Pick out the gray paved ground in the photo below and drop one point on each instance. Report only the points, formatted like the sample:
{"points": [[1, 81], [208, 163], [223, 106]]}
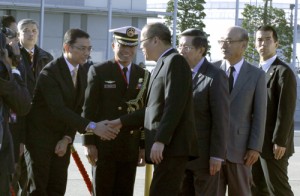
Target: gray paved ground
{"points": [[77, 187]]}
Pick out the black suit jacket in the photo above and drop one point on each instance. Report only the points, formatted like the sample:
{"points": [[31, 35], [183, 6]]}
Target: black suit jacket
{"points": [[211, 106], [13, 95], [281, 104], [105, 99], [56, 105], [169, 116]]}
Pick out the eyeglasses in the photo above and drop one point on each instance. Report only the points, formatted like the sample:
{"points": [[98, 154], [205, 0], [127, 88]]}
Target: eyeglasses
{"points": [[145, 39], [185, 48], [82, 48], [228, 42]]}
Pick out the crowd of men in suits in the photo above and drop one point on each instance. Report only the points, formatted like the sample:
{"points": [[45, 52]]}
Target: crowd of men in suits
{"points": [[208, 128]]}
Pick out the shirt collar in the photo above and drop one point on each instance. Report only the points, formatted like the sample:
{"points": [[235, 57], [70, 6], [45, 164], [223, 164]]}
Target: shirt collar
{"points": [[70, 66], [237, 66], [267, 64], [164, 53], [197, 67], [128, 67]]}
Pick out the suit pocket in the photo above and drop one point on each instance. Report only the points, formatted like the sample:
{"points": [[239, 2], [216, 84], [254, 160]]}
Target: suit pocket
{"points": [[243, 131]]}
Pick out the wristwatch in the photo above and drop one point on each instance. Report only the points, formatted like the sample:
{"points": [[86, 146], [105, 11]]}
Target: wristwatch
{"points": [[91, 127]]}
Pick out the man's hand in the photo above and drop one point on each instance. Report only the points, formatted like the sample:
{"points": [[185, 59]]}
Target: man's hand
{"points": [[91, 153], [214, 166], [61, 147], [156, 154], [251, 157], [105, 131], [116, 124], [141, 160], [278, 151]]}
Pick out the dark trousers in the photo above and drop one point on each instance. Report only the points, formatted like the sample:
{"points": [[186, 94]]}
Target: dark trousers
{"points": [[237, 177], [48, 171], [5, 179], [275, 173], [200, 183], [114, 178], [168, 176], [259, 186]]}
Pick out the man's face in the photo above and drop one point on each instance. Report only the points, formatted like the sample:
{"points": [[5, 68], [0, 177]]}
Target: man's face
{"points": [[147, 45], [124, 54], [28, 35], [191, 54], [232, 47], [265, 44], [78, 52]]}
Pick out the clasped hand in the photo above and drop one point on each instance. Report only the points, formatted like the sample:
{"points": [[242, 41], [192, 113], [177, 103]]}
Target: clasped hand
{"points": [[108, 130]]}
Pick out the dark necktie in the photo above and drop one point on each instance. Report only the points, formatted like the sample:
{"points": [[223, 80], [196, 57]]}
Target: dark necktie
{"points": [[231, 79], [125, 69]]}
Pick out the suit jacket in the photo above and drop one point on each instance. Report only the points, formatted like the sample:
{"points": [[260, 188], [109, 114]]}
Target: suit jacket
{"points": [[56, 105], [13, 95], [211, 106], [106, 97], [282, 95], [247, 112], [169, 116]]}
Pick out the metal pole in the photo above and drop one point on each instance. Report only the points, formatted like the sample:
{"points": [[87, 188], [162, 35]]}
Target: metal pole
{"points": [[237, 12], [295, 35], [41, 30], [109, 15], [174, 23]]}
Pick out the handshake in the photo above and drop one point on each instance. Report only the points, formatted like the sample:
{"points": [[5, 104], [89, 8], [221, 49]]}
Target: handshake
{"points": [[108, 130]]}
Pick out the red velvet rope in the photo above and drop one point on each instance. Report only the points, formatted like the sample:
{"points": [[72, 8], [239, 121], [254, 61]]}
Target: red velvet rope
{"points": [[12, 191], [81, 169]]}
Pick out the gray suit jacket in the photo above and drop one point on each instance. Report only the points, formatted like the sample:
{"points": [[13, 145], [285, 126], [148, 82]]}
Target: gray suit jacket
{"points": [[211, 108], [248, 103]]}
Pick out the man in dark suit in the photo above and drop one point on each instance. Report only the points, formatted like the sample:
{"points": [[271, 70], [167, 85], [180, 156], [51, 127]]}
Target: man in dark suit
{"points": [[108, 92], [55, 116], [247, 89], [270, 174], [170, 136], [211, 108], [13, 95]]}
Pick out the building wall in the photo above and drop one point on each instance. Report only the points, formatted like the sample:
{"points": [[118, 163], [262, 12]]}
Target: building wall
{"points": [[88, 15]]}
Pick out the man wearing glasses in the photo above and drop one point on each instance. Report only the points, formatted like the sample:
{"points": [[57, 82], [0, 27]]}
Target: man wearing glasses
{"points": [[211, 108], [110, 85], [247, 87], [55, 116]]}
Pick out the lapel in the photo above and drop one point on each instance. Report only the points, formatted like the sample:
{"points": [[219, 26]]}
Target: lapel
{"points": [[156, 70], [270, 73], [133, 77], [66, 76], [199, 77], [29, 73], [242, 78], [116, 75]]}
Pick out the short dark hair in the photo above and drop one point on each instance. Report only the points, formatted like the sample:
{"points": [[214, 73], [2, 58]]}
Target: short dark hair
{"points": [[71, 35], [159, 30], [6, 20], [199, 38], [269, 28]]}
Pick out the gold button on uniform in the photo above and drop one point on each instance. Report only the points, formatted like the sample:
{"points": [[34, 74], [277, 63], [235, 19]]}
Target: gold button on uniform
{"points": [[131, 132], [119, 108]]}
